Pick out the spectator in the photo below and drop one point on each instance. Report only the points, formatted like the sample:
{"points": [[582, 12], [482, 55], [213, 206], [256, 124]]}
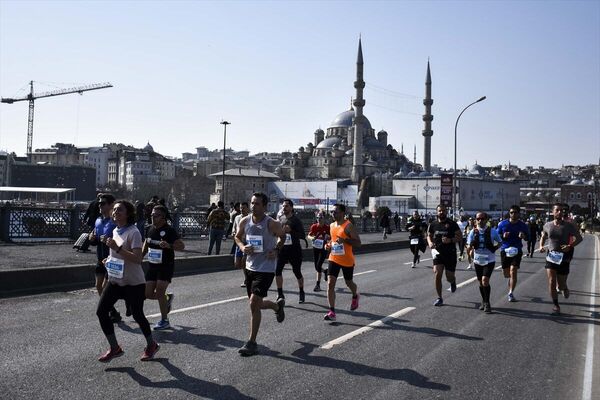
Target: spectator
{"points": [[216, 224]]}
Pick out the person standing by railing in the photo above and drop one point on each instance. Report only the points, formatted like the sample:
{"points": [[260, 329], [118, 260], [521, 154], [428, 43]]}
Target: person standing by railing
{"points": [[216, 224]]}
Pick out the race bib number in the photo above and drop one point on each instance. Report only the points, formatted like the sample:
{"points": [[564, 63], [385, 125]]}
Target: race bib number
{"points": [[555, 257], [256, 241], [155, 256], [318, 243], [511, 251], [481, 259], [337, 249], [115, 267], [434, 253], [414, 241], [288, 240]]}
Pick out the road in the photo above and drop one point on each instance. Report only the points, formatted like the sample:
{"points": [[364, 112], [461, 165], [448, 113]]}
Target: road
{"points": [[50, 342]]}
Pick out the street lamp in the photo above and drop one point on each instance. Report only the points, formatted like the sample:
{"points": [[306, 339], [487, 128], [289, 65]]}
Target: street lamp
{"points": [[454, 172], [426, 188], [224, 123], [417, 198]]}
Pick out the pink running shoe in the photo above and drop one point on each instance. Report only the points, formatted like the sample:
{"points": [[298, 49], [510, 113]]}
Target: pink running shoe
{"points": [[330, 316], [354, 304]]}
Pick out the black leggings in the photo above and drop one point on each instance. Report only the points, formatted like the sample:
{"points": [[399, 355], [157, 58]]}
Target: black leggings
{"points": [[319, 255], [414, 248], [133, 295], [530, 246]]}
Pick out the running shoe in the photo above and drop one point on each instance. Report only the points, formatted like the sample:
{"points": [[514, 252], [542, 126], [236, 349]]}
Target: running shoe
{"points": [[150, 351], [461, 257], [566, 293], [556, 309], [330, 316], [317, 288], [248, 349], [511, 298], [301, 297], [413, 265], [162, 324], [354, 304], [439, 302], [115, 317], [482, 307], [170, 297], [243, 284], [470, 266], [110, 354], [453, 286], [280, 313], [487, 308]]}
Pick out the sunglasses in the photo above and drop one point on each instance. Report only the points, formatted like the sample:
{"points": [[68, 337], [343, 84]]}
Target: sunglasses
{"points": [[513, 212], [481, 219]]}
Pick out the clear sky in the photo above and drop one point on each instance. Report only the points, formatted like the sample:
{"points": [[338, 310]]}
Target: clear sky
{"points": [[278, 70]]}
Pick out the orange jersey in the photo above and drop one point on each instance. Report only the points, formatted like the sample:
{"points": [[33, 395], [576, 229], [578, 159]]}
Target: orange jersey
{"points": [[340, 253]]}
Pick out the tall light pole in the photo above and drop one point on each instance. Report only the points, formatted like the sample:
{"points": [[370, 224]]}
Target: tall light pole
{"points": [[417, 198], [224, 123], [454, 173]]}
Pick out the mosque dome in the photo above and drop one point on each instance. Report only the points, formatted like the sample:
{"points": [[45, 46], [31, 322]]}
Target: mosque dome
{"points": [[330, 142], [148, 147], [344, 120], [477, 169], [412, 174], [576, 182]]}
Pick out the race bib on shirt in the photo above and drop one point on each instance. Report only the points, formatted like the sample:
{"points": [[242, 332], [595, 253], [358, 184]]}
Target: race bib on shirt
{"points": [[256, 241], [414, 241], [337, 249], [318, 243], [155, 256], [481, 259], [288, 240], [115, 267], [555, 257], [511, 251], [434, 253]]}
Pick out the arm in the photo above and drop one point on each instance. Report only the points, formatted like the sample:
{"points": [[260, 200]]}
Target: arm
{"points": [[239, 236], [430, 242], [543, 241], [353, 239]]}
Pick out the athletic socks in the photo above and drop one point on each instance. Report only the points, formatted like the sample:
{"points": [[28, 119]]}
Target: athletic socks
{"points": [[280, 292]]}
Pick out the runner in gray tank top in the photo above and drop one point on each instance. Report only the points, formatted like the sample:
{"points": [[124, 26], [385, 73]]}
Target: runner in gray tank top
{"points": [[259, 237]]}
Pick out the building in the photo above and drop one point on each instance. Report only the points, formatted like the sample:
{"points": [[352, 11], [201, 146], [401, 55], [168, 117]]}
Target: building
{"points": [[240, 184], [80, 177]]}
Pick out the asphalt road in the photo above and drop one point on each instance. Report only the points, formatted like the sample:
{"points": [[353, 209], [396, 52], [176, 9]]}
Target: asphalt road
{"points": [[50, 342]]}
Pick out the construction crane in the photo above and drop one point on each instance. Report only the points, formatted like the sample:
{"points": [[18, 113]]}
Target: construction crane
{"points": [[31, 97]]}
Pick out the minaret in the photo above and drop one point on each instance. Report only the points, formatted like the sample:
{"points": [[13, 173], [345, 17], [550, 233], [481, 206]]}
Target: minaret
{"points": [[427, 118], [359, 103], [415, 155]]}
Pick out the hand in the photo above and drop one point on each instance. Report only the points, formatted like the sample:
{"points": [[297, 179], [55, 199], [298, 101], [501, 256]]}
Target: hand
{"points": [[521, 235], [565, 248], [446, 240], [248, 249], [111, 244], [542, 249], [340, 240], [164, 245], [506, 235]]}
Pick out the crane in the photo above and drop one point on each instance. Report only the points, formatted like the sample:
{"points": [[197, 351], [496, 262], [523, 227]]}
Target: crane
{"points": [[31, 97]]}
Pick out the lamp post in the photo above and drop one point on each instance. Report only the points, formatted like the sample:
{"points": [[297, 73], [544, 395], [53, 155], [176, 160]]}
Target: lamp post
{"points": [[426, 188], [417, 198], [224, 123], [454, 172]]}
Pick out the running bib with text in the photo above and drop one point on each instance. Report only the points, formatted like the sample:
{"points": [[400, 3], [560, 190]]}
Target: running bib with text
{"points": [[155, 256], [555, 257], [318, 243], [511, 251], [481, 259], [414, 241], [288, 239], [114, 267], [434, 253], [256, 241], [337, 249]]}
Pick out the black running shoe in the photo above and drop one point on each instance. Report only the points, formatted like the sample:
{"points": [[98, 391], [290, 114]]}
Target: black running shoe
{"points": [[301, 297], [280, 312], [248, 349]]}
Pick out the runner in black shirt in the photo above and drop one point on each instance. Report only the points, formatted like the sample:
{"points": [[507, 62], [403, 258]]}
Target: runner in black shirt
{"points": [[416, 229]]}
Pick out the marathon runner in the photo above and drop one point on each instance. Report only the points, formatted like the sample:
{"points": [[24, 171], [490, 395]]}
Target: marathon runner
{"points": [[442, 236], [563, 236], [416, 231], [512, 231], [534, 232], [161, 243], [319, 235], [239, 258], [259, 236], [463, 222], [470, 226], [344, 238], [482, 242]]}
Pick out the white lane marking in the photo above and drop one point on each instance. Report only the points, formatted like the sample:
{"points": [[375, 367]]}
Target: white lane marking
{"points": [[364, 329], [422, 259], [588, 373], [214, 303], [473, 279], [366, 272]]}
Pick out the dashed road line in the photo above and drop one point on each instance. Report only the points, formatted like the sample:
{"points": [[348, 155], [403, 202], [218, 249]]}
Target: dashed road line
{"points": [[214, 303], [365, 272]]}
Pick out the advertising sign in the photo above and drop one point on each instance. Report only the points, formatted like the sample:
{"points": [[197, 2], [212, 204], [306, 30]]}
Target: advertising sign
{"points": [[446, 190]]}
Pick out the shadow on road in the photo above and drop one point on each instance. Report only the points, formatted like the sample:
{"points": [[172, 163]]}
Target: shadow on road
{"points": [[303, 356], [184, 382], [184, 335], [562, 318]]}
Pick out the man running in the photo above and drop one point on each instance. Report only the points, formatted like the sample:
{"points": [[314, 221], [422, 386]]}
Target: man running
{"points": [[482, 242], [442, 236], [462, 224], [344, 238], [291, 252], [104, 226], [259, 236], [239, 258], [512, 231], [563, 236], [319, 234], [161, 243], [534, 232], [416, 229]]}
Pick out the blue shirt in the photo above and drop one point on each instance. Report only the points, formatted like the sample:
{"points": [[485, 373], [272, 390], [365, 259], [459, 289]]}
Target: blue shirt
{"points": [[103, 226], [482, 249], [513, 230]]}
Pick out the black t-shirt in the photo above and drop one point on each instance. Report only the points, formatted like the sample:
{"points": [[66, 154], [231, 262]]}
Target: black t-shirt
{"points": [[419, 227], [169, 235], [296, 232], [437, 230]]}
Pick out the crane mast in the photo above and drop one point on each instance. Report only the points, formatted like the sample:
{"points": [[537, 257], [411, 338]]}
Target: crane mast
{"points": [[32, 96]]}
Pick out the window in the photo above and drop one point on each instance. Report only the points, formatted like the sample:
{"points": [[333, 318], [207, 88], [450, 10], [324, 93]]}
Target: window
{"points": [[578, 196]]}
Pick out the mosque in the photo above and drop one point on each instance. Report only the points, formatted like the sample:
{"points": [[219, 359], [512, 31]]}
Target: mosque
{"points": [[350, 149]]}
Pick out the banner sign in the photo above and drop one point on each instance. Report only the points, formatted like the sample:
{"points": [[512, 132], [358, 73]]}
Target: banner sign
{"points": [[446, 190]]}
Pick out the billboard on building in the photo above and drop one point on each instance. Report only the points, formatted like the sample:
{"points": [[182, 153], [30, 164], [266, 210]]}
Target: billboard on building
{"points": [[446, 182]]}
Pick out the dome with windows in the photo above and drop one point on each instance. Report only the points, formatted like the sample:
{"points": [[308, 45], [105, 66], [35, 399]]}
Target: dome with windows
{"points": [[344, 120]]}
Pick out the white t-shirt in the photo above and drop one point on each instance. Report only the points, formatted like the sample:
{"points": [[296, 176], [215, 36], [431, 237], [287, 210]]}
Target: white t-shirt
{"points": [[130, 238]]}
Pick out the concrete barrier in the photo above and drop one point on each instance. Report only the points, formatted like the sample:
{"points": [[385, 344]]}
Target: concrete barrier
{"points": [[72, 277]]}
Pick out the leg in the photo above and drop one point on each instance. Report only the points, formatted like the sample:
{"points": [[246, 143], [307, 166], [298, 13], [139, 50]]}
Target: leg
{"points": [[109, 297], [562, 283], [135, 298], [513, 278], [161, 290], [552, 287], [211, 240], [331, 280], [257, 304], [437, 271], [218, 238]]}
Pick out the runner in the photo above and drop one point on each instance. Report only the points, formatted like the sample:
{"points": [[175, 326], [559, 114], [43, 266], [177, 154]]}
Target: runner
{"points": [[462, 224], [442, 236], [470, 226], [125, 281], [291, 252], [512, 231], [416, 231], [239, 258], [563, 236], [161, 243], [534, 232], [103, 229], [319, 235], [344, 238], [259, 236], [482, 242]]}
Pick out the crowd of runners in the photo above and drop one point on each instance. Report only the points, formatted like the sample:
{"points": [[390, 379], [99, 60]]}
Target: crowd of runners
{"points": [[263, 245]]}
